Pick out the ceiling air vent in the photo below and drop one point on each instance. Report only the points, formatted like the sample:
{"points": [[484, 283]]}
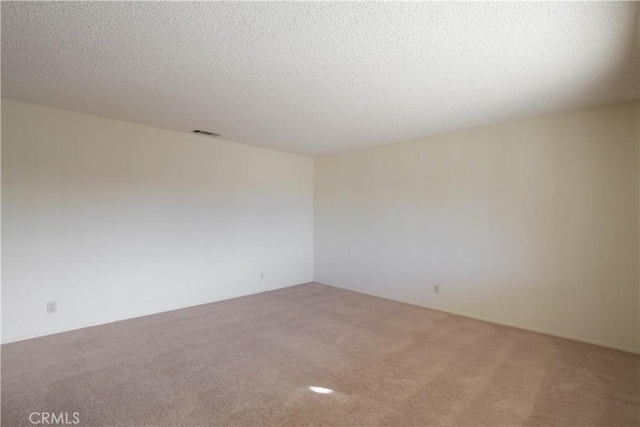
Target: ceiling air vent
{"points": [[204, 132]]}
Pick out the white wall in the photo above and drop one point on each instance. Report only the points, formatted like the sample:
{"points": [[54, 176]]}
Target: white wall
{"points": [[113, 219], [533, 223]]}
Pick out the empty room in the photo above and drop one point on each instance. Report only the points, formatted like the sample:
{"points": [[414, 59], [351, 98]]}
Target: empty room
{"points": [[320, 213]]}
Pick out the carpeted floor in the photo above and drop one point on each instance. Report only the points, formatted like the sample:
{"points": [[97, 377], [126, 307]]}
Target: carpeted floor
{"points": [[251, 361]]}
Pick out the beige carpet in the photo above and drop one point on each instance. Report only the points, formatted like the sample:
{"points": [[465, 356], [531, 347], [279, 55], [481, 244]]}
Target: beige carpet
{"points": [[251, 361]]}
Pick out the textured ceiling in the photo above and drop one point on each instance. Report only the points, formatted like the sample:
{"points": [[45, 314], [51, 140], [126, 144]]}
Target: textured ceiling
{"points": [[319, 78]]}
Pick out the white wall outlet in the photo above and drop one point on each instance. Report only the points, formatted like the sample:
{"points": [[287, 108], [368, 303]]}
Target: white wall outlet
{"points": [[51, 307], [436, 289], [262, 275]]}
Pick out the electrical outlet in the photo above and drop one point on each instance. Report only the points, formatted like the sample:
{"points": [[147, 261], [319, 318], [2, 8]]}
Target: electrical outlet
{"points": [[262, 275], [436, 289], [51, 307]]}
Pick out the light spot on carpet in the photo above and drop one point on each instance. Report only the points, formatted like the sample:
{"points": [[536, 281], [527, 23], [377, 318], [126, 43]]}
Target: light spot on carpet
{"points": [[320, 390]]}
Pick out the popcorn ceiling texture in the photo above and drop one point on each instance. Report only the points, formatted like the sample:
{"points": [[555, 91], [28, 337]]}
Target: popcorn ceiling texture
{"points": [[319, 78]]}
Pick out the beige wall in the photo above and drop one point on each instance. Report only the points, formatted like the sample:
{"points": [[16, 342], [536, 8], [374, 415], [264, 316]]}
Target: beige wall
{"points": [[113, 219], [533, 223]]}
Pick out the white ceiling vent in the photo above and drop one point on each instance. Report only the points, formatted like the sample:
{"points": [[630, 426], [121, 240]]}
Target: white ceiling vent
{"points": [[204, 132]]}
